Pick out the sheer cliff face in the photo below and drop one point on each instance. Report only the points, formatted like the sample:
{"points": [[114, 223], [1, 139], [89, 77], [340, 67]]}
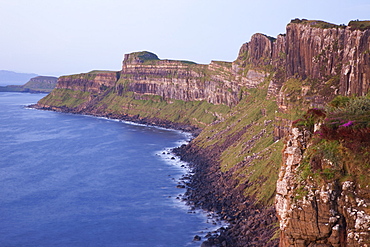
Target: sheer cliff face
{"points": [[313, 214], [321, 53], [311, 51], [324, 59], [216, 83]]}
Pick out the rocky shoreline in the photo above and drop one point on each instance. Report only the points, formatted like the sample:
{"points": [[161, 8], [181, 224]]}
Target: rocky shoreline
{"points": [[214, 191], [209, 189]]}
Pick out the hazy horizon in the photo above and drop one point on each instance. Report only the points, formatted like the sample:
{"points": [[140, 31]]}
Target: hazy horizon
{"points": [[56, 38]]}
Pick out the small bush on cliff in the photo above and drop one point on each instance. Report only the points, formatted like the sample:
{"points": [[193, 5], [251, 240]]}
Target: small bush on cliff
{"points": [[348, 121], [359, 25], [341, 147], [310, 118]]}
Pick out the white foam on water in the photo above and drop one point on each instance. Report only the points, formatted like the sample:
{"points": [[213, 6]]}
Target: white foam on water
{"points": [[211, 219]]}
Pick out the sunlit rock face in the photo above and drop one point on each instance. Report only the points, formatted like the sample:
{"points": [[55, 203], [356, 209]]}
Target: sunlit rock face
{"points": [[317, 60], [93, 82], [313, 214], [315, 50], [320, 53], [217, 83]]}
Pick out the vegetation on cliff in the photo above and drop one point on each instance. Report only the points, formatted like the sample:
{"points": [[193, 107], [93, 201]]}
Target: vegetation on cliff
{"points": [[340, 147]]}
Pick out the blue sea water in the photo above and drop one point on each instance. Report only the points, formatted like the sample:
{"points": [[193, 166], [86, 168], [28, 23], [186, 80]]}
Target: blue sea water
{"points": [[73, 180]]}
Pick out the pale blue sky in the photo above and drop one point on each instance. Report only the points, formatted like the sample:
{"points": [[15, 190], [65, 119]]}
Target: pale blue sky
{"points": [[59, 37]]}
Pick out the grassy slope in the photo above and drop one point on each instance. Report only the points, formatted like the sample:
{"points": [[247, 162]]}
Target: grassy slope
{"points": [[252, 154], [65, 98]]}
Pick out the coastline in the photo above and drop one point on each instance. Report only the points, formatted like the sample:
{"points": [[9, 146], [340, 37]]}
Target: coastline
{"points": [[209, 189], [214, 191], [134, 119]]}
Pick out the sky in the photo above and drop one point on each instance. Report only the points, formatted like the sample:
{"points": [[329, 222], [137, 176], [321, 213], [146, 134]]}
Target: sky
{"points": [[62, 37]]}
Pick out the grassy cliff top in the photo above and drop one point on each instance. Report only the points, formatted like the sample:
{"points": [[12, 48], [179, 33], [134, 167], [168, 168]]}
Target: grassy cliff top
{"points": [[101, 71], [359, 25], [316, 23], [147, 57], [354, 25]]}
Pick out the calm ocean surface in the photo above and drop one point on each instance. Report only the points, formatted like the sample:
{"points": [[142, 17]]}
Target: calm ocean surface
{"points": [[72, 180]]}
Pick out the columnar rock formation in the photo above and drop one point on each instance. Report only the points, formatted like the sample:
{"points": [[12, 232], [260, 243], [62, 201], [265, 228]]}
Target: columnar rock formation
{"points": [[318, 51]]}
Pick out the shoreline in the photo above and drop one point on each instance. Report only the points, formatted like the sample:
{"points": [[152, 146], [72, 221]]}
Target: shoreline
{"points": [[209, 189], [213, 236], [155, 122], [213, 220]]}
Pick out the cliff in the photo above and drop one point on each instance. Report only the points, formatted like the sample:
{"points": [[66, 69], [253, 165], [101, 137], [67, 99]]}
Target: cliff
{"points": [[245, 110], [315, 50], [323, 190], [41, 84], [179, 91]]}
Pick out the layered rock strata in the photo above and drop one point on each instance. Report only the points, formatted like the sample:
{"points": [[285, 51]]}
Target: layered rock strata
{"points": [[315, 50], [216, 83], [94, 82]]}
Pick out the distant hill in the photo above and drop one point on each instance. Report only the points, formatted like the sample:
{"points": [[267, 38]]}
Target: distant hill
{"points": [[38, 84], [13, 78]]}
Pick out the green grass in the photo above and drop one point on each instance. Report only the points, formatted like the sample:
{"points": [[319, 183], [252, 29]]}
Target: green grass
{"points": [[316, 23], [340, 149], [359, 25], [248, 131], [196, 113], [65, 98]]}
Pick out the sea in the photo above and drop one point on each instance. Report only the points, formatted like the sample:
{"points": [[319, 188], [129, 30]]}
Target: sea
{"points": [[75, 180]]}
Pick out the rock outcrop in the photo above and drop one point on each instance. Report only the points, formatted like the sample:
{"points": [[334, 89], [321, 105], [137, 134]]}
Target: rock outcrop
{"points": [[313, 214], [94, 82], [41, 83], [315, 50], [216, 83]]}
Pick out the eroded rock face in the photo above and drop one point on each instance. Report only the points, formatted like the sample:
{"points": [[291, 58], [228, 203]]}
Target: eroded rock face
{"points": [[216, 83], [320, 53], [311, 214], [310, 51], [93, 82]]}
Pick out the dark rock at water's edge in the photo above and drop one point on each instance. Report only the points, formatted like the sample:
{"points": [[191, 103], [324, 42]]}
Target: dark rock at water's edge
{"points": [[214, 191], [211, 190]]}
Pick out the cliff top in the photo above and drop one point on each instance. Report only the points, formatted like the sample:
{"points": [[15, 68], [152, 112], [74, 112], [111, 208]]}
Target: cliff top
{"points": [[359, 25], [316, 23], [354, 25], [140, 57], [101, 71], [146, 57], [38, 78]]}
